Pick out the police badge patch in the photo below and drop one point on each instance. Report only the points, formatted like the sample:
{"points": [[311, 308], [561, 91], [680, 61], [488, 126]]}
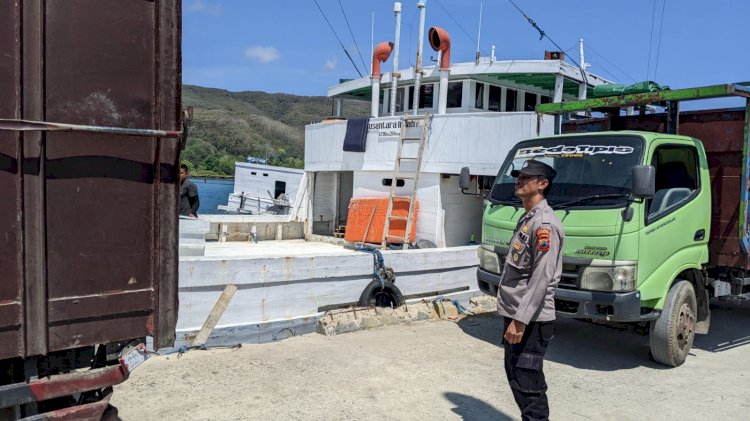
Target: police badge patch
{"points": [[543, 239]]}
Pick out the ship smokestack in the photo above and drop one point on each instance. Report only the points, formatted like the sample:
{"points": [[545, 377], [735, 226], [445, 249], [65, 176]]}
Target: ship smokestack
{"points": [[421, 4], [395, 75]]}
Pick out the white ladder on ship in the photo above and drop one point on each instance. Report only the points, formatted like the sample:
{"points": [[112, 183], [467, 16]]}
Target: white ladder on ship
{"points": [[425, 120]]}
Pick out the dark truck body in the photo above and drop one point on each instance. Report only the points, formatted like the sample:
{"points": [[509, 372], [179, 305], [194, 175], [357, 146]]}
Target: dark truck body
{"points": [[88, 219], [722, 133]]}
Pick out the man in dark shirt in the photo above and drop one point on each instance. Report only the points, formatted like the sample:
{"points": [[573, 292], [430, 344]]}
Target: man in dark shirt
{"points": [[189, 201]]}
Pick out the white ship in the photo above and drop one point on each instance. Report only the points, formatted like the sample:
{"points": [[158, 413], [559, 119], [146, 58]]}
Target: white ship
{"points": [[289, 269]]}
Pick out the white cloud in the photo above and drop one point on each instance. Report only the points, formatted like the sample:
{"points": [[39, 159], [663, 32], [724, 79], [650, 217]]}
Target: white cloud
{"points": [[261, 54], [330, 63], [202, 6], [196, 6]]}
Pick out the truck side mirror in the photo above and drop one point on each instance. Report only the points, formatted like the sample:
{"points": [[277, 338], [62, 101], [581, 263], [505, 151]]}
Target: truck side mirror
{"points": [[465, 179], [644, 181]]}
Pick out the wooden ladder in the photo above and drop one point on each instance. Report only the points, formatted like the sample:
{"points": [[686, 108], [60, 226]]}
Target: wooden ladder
{"points": [[425, 120]]}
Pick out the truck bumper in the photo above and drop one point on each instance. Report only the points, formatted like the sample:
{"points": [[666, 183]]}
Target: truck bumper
{"points": [[488, 282], [609, 306], [72, 383], [573, 303]]}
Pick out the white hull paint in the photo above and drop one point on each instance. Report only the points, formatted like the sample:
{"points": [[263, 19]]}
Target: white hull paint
{"points": [[290, 292]]}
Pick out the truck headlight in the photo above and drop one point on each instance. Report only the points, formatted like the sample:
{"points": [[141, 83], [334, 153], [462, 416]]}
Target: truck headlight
{"points": [[609, 278], [488, 260]]}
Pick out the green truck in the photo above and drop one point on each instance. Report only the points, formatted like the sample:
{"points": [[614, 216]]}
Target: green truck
{"points": [[654, 207]]}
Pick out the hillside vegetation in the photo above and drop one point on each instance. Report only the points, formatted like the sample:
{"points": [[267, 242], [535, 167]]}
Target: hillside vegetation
{"points": [[230, 126]]}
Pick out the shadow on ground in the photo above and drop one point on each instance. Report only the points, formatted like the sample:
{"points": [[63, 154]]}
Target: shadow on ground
{"points": [[473, 409], [730, 326], [594, 347]]}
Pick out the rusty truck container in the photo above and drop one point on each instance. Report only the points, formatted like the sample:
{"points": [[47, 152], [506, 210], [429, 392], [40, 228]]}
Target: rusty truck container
{"points": [[88, 218]]}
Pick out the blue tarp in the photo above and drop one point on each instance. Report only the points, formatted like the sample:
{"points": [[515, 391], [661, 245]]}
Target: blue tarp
{"points": [[616, 89]]}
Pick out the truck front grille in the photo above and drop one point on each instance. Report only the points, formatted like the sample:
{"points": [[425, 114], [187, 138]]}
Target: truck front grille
{"points": [[569, 277]]}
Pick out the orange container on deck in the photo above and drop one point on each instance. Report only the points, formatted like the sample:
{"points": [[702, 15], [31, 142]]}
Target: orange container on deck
{"points": [[358, 218]]}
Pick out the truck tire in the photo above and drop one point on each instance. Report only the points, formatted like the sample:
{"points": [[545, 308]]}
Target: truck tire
{"points": [[381, 295], [673, 332]]}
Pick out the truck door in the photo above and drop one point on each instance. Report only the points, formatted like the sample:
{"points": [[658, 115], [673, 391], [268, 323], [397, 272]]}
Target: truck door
{"points": [[88, 221], [676, 219]]}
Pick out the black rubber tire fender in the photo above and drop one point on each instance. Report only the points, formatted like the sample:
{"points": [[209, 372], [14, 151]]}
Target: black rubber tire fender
{"points": [[381, 295], [425, 244], [671, 335]]}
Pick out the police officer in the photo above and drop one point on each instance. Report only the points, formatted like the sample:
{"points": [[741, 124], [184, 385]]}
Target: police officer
{"points": [[525, 297]]}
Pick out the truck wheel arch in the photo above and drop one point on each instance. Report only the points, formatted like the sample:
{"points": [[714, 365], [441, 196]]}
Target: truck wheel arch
{"points": [[698, 279], [703, 316]]}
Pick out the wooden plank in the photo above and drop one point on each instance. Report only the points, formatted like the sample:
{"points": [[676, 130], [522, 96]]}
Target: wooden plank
{"points": [[214, 315], [367, 230]]}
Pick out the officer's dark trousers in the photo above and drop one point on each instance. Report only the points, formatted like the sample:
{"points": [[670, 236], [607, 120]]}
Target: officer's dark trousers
{"points": [[523, 366]]}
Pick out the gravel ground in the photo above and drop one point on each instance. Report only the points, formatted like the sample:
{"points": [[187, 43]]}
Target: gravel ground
{"points": [[447, 370]]}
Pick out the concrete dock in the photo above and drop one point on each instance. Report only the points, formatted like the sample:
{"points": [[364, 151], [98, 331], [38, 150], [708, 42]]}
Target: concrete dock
{"points": [[447, 370]]}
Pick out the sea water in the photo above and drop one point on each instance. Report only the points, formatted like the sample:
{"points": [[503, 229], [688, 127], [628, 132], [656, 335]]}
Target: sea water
{"points": [[212, 193]]}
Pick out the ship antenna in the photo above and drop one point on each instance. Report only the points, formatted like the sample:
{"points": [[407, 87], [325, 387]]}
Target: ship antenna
{"points": [[479, 32]]}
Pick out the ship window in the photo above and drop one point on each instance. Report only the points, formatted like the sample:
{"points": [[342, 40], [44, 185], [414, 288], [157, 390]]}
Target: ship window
{"points": [[479, 96], [495, 97], [389, 181], [279, 189], [544, 99], [510, 100], [410, 98], [253, 173], [529, 101], [399, 100], [265, 174], [425, 95], [455, 93]]}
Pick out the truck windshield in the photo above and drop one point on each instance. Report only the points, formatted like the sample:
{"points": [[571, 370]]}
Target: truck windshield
{"points": [[596, 168]]}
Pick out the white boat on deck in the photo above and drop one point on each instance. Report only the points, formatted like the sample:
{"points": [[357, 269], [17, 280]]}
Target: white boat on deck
{"points": [[477, 112], [264, 189]]}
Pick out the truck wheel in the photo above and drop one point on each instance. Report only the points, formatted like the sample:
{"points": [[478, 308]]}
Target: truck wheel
{"points": [[673, 332]]}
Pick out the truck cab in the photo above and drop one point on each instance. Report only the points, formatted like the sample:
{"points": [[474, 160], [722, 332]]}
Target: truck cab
{"points": [[636, 211]]}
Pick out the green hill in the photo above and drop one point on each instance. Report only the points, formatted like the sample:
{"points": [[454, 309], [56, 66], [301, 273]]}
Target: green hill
{"points": [[230, 126]]}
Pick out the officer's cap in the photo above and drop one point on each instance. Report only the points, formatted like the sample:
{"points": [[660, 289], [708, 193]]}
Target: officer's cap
{"points": [[535, 168]]}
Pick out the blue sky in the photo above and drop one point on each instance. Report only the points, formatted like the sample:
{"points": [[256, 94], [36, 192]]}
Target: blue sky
{"points": [[287, 46]]}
